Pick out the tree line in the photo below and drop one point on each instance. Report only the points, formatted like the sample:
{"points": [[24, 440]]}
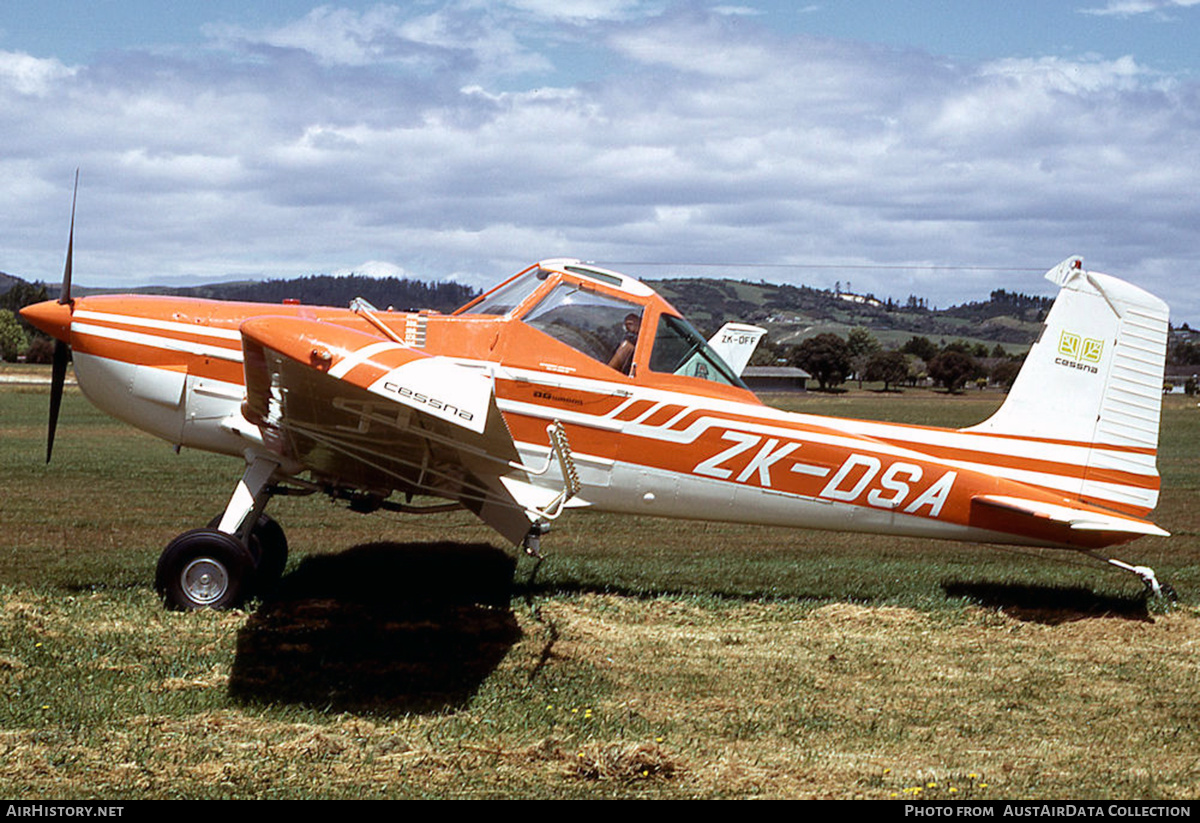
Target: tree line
{"points": [[18, 338], [832, 360]]}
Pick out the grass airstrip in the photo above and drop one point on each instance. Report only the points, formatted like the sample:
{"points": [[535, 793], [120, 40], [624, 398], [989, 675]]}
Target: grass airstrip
{"points": [[415, 656]]}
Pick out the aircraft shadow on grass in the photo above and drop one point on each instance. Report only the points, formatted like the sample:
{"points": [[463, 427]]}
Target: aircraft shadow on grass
{"points": [[1050, 605], [392, 627], [383, 627]]}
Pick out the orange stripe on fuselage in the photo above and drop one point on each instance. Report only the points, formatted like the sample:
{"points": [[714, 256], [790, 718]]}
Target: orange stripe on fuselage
{"points": [[634, 409], [153, 356], [1005, 461], [663, 415], [662, 453]]}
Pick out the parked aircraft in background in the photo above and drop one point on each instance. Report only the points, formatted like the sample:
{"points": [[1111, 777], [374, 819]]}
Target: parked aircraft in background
{"points": [[514, 408]]}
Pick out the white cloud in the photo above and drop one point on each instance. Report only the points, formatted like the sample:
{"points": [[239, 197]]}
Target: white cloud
{"points": [[374, 268], [1132, 8], [1079, 76], [449, 38], [582, 9], [29, 75], [401, 136]]}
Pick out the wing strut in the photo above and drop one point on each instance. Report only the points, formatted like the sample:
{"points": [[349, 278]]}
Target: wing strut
{"points": [[361, 307]]}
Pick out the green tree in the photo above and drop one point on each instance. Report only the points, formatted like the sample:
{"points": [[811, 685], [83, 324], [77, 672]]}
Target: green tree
{"points": [[887, 367], [826, 357], [41, 349], [953, 369], [20, 295], [862, 345], [1005, 373], [921, 347], [13, 342], [767, 353]]}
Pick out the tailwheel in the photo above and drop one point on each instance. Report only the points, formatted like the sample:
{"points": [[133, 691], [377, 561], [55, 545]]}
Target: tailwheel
{"points": [[1149, 579], [204, 569]]}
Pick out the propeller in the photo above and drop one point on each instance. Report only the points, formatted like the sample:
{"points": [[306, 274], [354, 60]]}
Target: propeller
{"points": [[62, 349]]}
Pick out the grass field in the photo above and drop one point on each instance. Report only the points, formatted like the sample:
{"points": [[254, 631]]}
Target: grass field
{"points": [[415, 657]]}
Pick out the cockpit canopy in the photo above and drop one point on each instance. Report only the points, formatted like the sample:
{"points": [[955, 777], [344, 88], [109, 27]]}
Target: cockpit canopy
{"points": [[614, 319]]}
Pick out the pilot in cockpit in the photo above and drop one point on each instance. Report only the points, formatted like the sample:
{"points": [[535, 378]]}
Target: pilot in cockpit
{"points": [[622, 359]]}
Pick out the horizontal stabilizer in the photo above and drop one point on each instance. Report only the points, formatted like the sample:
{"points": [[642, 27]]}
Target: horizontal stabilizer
{"points": [[1076, 519]]}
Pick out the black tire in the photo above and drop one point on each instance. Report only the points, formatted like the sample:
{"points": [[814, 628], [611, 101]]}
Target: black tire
{"points": [[204, 569], [268, 551]]}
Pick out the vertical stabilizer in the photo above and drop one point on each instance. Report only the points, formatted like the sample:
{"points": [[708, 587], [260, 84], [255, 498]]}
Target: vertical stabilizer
{"points": [[1094, 380], [735, 343]]}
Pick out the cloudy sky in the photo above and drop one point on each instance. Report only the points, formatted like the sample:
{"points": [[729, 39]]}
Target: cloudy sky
{"points": [[935, 148]]}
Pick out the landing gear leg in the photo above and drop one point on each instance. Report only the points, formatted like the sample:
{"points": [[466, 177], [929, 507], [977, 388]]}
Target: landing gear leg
{"points": [[249, 498], [242, 552], [533, 539]]}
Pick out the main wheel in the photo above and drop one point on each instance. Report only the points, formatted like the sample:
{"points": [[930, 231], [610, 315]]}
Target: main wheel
{"points": [[204, 569], [268, 552]]}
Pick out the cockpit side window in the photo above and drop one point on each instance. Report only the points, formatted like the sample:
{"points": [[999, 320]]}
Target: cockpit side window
{"points": [[679, 349], [602, 327]]}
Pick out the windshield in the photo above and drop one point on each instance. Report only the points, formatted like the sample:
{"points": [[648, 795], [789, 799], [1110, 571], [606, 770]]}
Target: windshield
{"points": [[602, 327], [504, 298], [679, 349]]}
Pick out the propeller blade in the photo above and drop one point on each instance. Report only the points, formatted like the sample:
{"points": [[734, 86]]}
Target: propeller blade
{"points": [[64, 295], [62, 351], [62, 354]]}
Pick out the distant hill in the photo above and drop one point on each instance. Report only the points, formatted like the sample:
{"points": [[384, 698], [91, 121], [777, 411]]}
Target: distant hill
{"points": [[321, 290], [7, 281], [790, 313]]}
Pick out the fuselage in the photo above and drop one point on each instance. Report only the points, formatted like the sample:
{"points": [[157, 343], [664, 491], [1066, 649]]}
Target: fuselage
{"points": [[667, 433]]}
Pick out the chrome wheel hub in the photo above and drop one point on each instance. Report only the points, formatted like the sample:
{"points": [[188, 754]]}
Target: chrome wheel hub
{"points": [[204, 580]]}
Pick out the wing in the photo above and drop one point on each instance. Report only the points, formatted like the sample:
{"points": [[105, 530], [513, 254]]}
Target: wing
{"points": [[360, 411]]}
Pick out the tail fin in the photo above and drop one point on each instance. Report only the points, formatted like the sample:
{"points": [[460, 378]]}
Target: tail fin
{"points": [[735, 342], [1090, 391]]}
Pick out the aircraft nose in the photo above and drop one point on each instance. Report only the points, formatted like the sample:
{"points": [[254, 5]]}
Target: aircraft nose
{"points": [[52, 317]]}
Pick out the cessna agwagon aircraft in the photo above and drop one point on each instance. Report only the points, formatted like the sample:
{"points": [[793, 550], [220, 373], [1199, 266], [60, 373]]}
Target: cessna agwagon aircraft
{"points": [[572, 386]]}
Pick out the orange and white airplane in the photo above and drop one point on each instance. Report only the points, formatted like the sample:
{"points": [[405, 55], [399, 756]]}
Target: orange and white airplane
{"points": [[572, 386]]}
